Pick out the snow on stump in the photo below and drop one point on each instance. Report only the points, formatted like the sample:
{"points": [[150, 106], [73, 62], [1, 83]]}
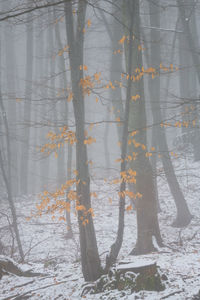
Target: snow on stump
{"points": [[147, 277], [127, 277]]}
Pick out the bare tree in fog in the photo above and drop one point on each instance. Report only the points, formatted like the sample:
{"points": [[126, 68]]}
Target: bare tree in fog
{"points": [[25, 132], [5, 166], [90, 260], [183, 215], [64, 163]]}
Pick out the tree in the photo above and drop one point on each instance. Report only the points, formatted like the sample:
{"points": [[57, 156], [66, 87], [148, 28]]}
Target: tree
{"points": [[25, 148], [90, 260], [183, 215], [146, 204]]}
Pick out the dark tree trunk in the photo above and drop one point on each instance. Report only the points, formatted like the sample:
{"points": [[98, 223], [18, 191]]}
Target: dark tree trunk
{"points": [[90, 260], [146, 206], [154, 167], [115, 248]]}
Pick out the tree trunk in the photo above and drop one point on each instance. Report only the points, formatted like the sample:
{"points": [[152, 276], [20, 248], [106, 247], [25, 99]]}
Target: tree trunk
{"points": [[44, 72], [154, 167], [24, 171], [188, 80], [61, 162], [115, 248], [90, 260], [183, 217], [146, 206], [116, 67], [7, 180], [7, 174], [11, 95]]}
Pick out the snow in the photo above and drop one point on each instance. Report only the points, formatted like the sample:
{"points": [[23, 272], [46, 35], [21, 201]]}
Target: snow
{"points": [[138, 262], [48, 251]]}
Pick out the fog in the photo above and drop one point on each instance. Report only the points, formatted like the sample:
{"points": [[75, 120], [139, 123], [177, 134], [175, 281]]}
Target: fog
{"points": [[98, 96]]}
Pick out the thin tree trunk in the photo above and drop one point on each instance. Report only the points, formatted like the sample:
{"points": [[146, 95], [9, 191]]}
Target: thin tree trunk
{"points": [[7, 179], [24, 171], [44, 72], [7, 174], [61, 162], [115, 248], [189, 36], [11, 94], [188, 79], [183, 217]]}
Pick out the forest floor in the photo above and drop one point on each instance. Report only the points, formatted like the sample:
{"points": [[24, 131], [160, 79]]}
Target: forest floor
{"points": [[49, 251]]}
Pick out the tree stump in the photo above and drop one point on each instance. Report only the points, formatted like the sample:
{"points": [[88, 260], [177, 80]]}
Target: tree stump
{"points": [[147, 277], [134, 277]]}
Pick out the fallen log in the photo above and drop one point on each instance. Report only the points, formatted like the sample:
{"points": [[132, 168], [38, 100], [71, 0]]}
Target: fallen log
{"points": [[9, 266]]}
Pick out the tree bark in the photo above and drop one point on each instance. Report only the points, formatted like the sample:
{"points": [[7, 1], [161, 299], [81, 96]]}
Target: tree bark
{"points": [[115, 248], [90, 260], [146, 206]]}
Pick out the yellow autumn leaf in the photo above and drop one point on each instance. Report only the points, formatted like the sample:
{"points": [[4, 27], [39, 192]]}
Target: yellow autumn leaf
{"points": [[60, 53], [80, 207], [122, 40], [129, 207], [89, 23], [97, 76], [119, 160], [70, 97], [148, 154]]}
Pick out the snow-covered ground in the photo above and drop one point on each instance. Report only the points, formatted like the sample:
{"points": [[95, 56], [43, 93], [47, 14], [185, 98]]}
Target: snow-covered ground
{"points": [[48, 251]]}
